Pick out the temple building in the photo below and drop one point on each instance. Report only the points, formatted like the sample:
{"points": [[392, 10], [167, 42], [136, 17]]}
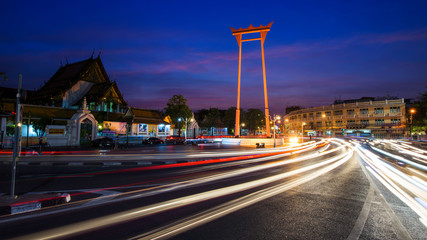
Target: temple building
{"points": [[76, 105], [72, 82]]}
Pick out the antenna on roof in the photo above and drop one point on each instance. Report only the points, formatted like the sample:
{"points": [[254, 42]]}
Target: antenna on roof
{"points": [[99, 52], [92, 53], [66, 60]]}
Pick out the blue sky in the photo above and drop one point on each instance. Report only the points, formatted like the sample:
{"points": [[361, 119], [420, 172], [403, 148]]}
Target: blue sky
{"points": [[316, 51]]}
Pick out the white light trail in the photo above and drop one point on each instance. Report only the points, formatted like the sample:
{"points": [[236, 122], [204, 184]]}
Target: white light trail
{"points": [[414, 164], [411, 192], [129, 215]]}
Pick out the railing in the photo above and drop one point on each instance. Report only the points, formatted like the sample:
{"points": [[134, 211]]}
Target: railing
{"points": [[395, 114], [379, 114], [349, 105]]}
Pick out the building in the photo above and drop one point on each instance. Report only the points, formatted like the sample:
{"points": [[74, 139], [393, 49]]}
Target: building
{"points": [[78, 104], [365, 117], [72, 82]]}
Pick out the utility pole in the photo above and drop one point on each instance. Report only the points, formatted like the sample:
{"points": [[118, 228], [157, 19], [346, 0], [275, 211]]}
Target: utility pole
{"points": [[17, 145]]}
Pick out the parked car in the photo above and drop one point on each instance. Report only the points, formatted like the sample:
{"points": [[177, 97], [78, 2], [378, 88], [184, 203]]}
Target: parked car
{"points": [[175, 139], [153, 140], [104, 142]]}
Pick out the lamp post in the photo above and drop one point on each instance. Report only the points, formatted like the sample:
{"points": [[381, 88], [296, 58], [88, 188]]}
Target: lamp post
{"points": [[275, 118], [17, 145], [241, 129], [179, 127], [412, 111], [326, 123], [186, 122], [302, 129]]}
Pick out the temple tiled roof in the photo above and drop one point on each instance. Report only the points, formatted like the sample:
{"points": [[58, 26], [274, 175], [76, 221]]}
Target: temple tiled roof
{"points": [[145, 116]]}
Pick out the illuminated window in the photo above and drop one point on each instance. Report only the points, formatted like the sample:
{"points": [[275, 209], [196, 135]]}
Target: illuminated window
{"points": [[364, 111], [163, 129], [364, 122], [350, 112], [310, 115], [351, 122], [394, 109], [318, 114], [143, 129], [378, 110], [328, 113], [338, 123], [379, 122], [395, 121]]}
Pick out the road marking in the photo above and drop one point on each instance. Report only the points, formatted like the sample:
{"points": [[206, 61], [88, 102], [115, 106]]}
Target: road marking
{"points": [[363, 216], [400, 230], [105, 196]]}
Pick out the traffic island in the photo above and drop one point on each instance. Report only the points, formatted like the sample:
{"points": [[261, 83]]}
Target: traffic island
{"points": [[31, 202]]}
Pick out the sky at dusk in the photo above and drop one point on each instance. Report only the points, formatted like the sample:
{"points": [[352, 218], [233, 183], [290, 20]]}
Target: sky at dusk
{"points": [[316, 51]]}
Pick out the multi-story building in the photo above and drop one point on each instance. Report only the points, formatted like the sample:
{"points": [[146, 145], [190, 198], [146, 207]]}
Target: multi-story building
{"points": [[364, 117]]}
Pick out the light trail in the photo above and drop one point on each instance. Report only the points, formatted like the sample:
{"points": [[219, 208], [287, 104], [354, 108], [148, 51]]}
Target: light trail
{"points": [[414, 152], [88, 225], [409, 162], [407, 189], [185, 184], [235, 205]]}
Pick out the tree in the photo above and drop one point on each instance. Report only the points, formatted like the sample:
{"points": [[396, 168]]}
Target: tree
{"points": [[420, 116], [40, 125], [229, 119], [10, 130], [254, 119], [200, 117], [213, 119], [177, 108]]}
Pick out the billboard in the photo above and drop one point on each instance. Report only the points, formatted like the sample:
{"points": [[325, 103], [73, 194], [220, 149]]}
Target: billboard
{"points": [[114, 127]]}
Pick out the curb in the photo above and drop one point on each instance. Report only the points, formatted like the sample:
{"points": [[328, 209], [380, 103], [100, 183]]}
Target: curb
{"points": [[94, 163], [31, 203]]}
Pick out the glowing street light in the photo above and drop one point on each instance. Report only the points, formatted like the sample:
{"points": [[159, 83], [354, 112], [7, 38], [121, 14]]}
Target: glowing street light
{"points": [[412, 111], [302, 129], [275, 118], [326, 124], [179, 127], [186, 121], [241, 129]]}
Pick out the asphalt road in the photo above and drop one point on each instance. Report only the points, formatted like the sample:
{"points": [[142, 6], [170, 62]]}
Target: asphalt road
{"points": [[323, 192]]}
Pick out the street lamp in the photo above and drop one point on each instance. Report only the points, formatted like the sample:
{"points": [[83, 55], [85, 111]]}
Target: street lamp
{"points": [[186, 121], [241, 129], [412, 111], [302, 129], [275, 118], [179, 127], [17, 145]]}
